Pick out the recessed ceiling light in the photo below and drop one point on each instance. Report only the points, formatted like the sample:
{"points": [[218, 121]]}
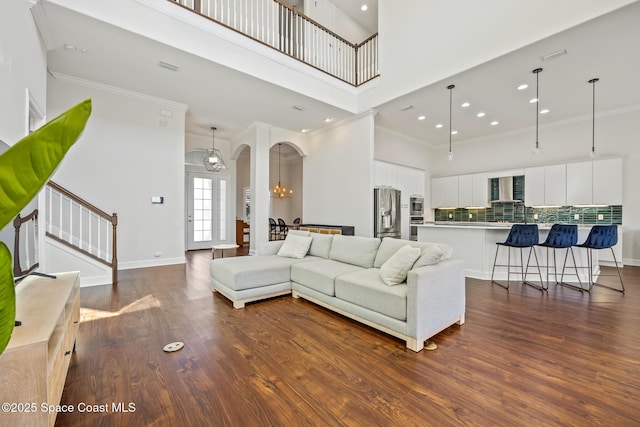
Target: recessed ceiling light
{"points": [[454, 132], [480, 114], [168, 66], [298, 107], [494, 123], [465, 104], [328, 120], [533, 100], [305, 130], [406, 107], [364, 7], [544, 111], [439, 125], [523, 86], [422, 117], [70, 47]]}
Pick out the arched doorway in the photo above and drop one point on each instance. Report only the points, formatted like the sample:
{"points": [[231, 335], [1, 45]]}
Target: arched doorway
{"points": [[285, 169]]}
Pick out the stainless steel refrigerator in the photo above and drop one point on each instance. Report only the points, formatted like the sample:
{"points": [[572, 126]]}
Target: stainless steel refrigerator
{"points": [[386, 212]]}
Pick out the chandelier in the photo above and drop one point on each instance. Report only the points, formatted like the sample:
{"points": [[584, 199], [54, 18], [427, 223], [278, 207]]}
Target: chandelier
{"points": [[213, 158], [280, 191]]}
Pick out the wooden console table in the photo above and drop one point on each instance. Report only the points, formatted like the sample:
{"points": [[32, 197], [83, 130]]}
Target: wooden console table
{"points": [[34, 364]]}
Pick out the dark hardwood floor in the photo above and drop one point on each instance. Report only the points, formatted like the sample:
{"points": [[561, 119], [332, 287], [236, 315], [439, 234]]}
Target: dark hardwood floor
{"points": [[522, 358]]}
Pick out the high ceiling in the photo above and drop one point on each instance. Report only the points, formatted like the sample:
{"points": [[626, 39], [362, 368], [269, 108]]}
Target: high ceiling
{"points": [[217, 95]]}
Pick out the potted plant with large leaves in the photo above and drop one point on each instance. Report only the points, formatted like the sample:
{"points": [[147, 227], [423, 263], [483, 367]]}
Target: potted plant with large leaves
{"points": [[24, 170]]}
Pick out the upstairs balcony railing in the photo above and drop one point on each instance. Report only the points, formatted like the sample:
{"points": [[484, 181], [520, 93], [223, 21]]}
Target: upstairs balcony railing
{"points": [[294, 34]]}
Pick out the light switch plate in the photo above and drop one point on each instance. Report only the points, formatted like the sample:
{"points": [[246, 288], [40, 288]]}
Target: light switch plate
{"points": [[576, 216], [535, 216], [450, 215], [600, 217], [470, 216]]}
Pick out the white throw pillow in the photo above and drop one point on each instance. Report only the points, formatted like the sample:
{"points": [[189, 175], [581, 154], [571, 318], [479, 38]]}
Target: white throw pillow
{"points": [[295, 246], [432, 253], [394, 271]]}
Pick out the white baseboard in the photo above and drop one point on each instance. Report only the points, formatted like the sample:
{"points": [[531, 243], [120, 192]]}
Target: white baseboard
{"points": [[150, 263], [630, 261]]}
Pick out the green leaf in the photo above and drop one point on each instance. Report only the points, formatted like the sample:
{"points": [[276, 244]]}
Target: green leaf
{"points": [[24, 170], [7, 297], [26, 166]]}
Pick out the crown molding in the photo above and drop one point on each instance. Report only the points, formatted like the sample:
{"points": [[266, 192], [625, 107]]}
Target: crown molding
{"points": [[118, 91]]}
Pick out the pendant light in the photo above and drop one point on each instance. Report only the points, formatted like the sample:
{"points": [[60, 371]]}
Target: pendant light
{"points": [[538, 149], [213, 161], [593, 152], [450, 87], [281, 192]]}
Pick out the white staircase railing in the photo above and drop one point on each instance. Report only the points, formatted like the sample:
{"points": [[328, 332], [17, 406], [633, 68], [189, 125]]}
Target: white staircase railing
{"points": [[285, 29], [75, 223]]}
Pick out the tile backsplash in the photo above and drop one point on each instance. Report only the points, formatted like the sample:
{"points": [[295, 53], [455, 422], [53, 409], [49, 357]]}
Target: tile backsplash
{"points": [[518, 212]]}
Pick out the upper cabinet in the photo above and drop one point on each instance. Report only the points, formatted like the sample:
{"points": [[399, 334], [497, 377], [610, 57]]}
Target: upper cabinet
{"points": [[607, 182], [545, 186], [473, 190], [444, 192], [596, 182]]}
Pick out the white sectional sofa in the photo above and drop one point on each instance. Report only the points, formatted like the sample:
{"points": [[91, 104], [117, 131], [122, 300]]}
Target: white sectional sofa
{"points": [[347, 274]]}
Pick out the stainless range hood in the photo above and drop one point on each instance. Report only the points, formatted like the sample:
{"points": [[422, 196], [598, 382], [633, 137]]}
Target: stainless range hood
{"points": [[504, 191]]}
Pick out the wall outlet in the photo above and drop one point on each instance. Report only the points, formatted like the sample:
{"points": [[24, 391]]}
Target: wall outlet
{"points": [[450, 215], [535, 216], [600, 217], [576, 216], [470, 216]]}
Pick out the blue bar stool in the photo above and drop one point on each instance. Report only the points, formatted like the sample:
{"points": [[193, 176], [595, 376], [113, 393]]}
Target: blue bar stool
{"points": [[562, 236], [521, 236], [601, 237]]}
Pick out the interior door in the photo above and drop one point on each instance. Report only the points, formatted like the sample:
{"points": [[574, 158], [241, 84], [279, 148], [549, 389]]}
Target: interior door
{"points": [[207, 210]]}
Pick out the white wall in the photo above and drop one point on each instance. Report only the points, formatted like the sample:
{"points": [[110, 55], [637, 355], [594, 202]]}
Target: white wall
{"points": [[498, 27], [338, 175], [616, 135], [123, 159], [22, 67]]}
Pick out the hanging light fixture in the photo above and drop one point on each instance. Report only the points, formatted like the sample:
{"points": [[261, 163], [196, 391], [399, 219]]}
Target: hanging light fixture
{"points": [[213, 161], [538, 149], [450, 87], [280, 191], [593, 152]]}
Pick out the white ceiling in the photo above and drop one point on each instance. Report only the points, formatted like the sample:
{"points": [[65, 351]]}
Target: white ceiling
{"points": [[216, 95]]}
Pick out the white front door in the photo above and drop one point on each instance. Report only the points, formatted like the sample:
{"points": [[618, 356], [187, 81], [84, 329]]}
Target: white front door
{"points": [[207, 210]]}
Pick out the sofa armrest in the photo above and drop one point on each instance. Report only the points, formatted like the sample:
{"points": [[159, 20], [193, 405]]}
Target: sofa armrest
{"points": [[269, 248], [436, 297]]}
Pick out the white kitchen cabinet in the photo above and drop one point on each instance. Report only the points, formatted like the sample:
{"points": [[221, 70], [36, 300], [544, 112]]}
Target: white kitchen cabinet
{"points": [[473, 190], [480, 190], [545, 186], [444, 192], [420, 180], [555, 185], [596, 182], [465, 191], [580, 183], [607, 182], [534, 184], [385, 174], [437, 192]]}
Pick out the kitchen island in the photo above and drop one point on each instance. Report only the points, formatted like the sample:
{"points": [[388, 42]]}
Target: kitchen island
{"points": [[475, 243]]}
